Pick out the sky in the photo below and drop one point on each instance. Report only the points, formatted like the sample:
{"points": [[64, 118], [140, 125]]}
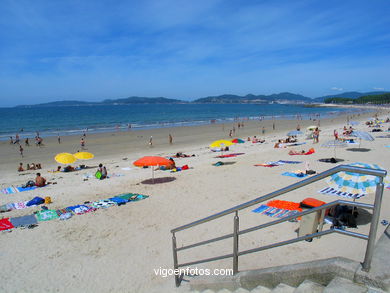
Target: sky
{"points": [[93, 50]]}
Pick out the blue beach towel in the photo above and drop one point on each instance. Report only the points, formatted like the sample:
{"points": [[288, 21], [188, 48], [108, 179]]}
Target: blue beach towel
{"points": [[21, 189], [118, 200], [291, 174], [289, 162], [273, 212]]}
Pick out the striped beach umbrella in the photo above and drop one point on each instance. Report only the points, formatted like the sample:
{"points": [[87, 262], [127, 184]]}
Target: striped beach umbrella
{"points": [[334, 144], [356, 182], [362, 135]]}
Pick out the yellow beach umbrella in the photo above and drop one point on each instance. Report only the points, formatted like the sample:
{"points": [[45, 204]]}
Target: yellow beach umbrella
{"points": [[84, 155], [220, 143], [65, 158]]}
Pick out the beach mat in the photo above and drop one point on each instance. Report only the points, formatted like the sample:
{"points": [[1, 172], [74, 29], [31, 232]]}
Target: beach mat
{"points": [[5, 224], [274, 212], [291, 174], [24, 221], [12, 189], [46, 215], [337, 192]]}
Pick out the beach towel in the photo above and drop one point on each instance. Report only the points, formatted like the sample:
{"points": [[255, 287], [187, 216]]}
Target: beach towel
{"points": [[81, 209], [103, 203], [297, 175], [229, 155], [295, 143], [46, 215], [334, 191], [132, 196], [6, 208], [21, 189], [274, 212], [61, 212], [35, 201], [289, 162], [5, 224], [20, 205], [9, 190], [24, 221], [267, 165], [118, 200]]}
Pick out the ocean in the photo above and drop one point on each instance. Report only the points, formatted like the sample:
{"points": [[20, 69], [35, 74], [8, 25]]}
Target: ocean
{"points": [[69, 120]]}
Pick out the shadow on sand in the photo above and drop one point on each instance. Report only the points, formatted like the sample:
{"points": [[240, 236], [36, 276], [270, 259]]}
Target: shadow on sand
{"points": [[358, 150], [158, 180]]}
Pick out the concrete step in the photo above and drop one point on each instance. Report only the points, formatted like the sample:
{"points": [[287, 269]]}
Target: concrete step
{"points": [[283, 288], [261, 289], [241, 290], [341, 285], [308, 286]]}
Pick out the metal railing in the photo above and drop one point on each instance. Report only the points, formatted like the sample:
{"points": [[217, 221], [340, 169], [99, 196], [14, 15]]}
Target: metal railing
{"points": [[236, 232]]}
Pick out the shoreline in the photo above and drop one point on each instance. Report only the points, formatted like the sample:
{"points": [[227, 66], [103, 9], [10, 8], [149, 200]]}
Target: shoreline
{"points": [[123, 127]]}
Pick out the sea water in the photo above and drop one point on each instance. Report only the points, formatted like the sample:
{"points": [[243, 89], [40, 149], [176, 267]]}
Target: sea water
{"points": [[68, 120]]}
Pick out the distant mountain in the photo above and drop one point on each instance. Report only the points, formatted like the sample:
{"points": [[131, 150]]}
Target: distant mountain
{"points": [[282, 98], [143, 100], [350, 95], [58, 104]]}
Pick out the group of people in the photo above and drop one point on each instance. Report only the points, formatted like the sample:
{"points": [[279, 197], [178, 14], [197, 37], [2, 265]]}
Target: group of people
{"points": [[31, 166]]}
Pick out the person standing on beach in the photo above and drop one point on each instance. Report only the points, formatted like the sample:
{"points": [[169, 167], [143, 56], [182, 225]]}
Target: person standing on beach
{"points": [[26, 142], [21, 150], [151, 141], [263, 130], [17, 139], [273, 125], [170, 139], [82, 143], [59, 138]]}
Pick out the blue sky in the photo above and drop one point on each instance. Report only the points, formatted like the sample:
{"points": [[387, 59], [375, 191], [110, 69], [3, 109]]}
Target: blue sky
{"points": [[93, 50]]}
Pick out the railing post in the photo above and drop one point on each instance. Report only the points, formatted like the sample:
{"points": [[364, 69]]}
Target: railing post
{"points": [[235, 243], [175, 263], [374, 226]]}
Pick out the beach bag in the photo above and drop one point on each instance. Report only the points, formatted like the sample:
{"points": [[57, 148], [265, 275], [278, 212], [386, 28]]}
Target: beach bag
{"points": [[29, 183], [342, 216], [48, 200], [311, 203], [35, 201], [310, 172], [98, 175], [185, 167]]}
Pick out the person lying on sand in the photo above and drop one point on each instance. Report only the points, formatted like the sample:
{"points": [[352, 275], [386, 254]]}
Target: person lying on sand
{"points": [[181, 155], [292, 152]]}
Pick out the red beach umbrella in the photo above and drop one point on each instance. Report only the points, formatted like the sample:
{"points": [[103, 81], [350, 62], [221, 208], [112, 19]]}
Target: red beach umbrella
{"points": [[152, 161]]}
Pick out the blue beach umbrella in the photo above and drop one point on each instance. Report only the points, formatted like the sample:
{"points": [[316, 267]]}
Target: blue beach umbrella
{"points": [[356, 182], [334, 144], [362, 135], [294, 133]]}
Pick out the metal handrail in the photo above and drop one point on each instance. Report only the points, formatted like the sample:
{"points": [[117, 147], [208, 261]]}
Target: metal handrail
{"points": [[374, 172], [370, 238]]}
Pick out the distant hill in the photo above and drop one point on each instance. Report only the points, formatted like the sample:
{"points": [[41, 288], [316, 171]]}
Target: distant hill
{"points": [[250, 98], [58, 104], [143, 100], [350, 95], [281, 98], [368, 99]]}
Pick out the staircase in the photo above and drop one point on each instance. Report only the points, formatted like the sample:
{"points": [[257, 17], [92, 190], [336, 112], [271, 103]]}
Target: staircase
{"points": [[337, 285], [329, 276]]}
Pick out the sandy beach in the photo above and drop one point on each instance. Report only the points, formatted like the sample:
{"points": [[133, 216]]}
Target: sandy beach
{"points": [[117, 249]]}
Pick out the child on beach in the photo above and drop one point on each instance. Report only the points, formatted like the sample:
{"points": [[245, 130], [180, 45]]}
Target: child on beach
{"points": [[20, 169], [21, 150]]}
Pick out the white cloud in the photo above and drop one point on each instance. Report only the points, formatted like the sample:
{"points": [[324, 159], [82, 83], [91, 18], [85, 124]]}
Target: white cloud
{"points": [[378, 88], [337, 88]]}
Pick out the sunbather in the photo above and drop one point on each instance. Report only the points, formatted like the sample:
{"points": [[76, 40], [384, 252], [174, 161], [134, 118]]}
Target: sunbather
{"points": [[293, 152]]}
